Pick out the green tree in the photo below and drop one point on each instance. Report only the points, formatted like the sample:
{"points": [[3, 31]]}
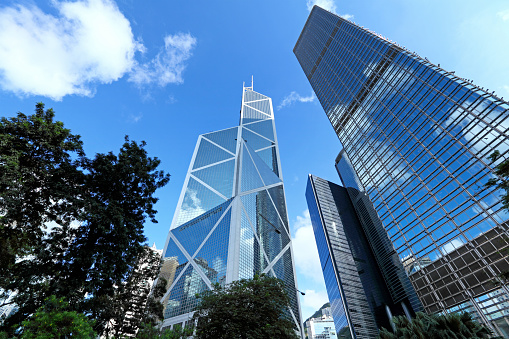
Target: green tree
{"points": [[434, 326], [54, 320], [48, 187], [502, 181], [247, 308], [39, 181]]}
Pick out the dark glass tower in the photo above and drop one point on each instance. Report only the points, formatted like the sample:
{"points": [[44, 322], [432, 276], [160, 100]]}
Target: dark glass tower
{"points": [[360, 300], [416, 141]]}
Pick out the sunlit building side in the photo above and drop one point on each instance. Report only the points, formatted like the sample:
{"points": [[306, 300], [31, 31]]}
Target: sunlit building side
{"points": [[416, 145], [231, 220]]}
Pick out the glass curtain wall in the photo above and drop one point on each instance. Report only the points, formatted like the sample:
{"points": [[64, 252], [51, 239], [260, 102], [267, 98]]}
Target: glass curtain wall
{"points": [[231, 220], [419, 139], [357, 293]]}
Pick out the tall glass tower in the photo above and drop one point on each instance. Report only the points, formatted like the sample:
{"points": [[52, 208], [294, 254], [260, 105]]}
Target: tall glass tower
{"points": [[360, 299], [416, 141], [231, 220]]}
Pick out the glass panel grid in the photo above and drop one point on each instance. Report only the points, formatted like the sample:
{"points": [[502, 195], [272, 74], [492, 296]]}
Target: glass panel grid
{"points": [[419, 139]]}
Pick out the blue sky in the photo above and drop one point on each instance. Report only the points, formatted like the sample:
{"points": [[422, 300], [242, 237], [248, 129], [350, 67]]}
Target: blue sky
{"points": [[167, 71]]}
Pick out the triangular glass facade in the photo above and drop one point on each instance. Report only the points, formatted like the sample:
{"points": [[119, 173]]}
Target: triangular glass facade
{"points": [[254, 140], [208, 153], [191, 234], [269, 157], [225, 138], [268, 177], [265, 128], [231, 221], [218, 176]]}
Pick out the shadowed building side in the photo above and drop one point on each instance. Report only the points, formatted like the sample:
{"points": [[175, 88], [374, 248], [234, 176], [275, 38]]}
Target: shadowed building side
{"points": [[360, 300]]}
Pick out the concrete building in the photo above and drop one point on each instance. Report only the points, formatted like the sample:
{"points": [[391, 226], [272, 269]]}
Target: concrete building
{"points": [[322, 327]]}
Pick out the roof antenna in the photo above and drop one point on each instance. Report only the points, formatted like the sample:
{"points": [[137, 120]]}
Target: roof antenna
{"points": [[252, 83]]}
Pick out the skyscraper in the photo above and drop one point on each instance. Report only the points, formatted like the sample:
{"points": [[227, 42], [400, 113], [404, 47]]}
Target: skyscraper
{"points": [[361, 301], [231, 220], [416, 145]]}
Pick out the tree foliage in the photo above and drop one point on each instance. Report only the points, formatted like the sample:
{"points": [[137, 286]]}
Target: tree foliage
{"points": [[70, 225], [254, 308], [54, 320], [39, 180], [502, 181], [434, 326]]}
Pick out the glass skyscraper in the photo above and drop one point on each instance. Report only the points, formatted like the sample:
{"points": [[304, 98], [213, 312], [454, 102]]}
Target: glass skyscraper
{"points": [[360, 299], [231, 220], [416, 141]]}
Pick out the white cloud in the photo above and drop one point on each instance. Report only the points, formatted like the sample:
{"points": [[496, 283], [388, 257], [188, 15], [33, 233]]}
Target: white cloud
{"points": [[452, 245], [506, 88], [293, 97], [169, 64], [86, 43], [89, 42], [135, 118], [329, 5], [504, 15], [303, 220], [191, 206], [313, 300], [307, 261], [347, 16]]}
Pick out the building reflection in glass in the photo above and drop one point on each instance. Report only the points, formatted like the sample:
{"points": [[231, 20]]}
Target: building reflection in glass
{"points": [[418, 140], [231, 220]]}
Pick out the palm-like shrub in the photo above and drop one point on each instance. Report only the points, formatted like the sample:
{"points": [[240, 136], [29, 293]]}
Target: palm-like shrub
{"points": [[435, 326]]}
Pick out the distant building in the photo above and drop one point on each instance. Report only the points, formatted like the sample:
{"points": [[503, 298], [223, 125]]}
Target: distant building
{"points": [[416, 145], [321, 328], [359, 297], [139, 287], [326, 312]]}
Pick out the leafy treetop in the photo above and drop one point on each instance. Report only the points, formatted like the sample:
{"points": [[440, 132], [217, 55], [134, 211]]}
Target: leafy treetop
{"points": [[70, 226], [435, 326], [247, 308]]}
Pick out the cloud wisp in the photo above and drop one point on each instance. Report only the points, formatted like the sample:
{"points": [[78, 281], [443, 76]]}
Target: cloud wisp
{"points": [[329, 5], [504, 15], [169, 64], [86, 43], [295, 97]]}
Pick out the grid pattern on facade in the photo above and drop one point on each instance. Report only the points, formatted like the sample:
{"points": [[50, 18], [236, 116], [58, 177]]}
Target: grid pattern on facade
{"points": [[438, 287], [396, 280], [492, 307], [418, 137], [231, 220], [335, 246]]}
